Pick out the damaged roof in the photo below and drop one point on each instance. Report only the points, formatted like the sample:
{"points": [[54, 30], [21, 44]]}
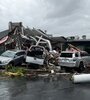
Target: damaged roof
{"points": [[28, 32], [58, 39], [35, 32], [4, 33]]}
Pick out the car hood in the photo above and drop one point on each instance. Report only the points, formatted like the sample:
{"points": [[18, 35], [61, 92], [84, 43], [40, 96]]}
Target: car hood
{"points": [[5, 59]]}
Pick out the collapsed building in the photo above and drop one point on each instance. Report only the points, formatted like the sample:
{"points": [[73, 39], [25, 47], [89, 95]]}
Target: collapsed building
{"points": [[17, 36], [82, 44]]}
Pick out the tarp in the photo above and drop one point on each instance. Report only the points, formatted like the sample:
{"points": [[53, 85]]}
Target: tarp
{"points": [[3, 39]]}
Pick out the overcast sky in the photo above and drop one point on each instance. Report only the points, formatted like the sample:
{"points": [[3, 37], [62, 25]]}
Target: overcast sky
{"points": [[58, 17]]}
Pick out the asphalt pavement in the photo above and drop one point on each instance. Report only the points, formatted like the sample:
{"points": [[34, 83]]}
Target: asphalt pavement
{"points": [[43, 88]]}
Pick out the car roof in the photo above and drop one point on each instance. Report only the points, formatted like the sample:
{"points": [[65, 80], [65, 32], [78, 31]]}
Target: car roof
{"points": [[69, 52], [16, 50]]}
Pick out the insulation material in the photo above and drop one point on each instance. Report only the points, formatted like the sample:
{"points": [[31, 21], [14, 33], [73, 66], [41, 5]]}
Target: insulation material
{"points": [[3, 39], [81, 78]]}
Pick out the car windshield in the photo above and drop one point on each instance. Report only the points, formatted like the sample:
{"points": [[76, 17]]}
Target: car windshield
{"points": [[8, 54], [69, 55]]}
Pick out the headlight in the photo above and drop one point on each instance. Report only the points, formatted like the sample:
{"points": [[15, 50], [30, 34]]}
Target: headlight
{"points": [[7, 61]]}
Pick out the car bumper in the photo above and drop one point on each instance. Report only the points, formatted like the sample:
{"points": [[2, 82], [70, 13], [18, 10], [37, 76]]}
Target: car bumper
{"points": [[3, 65], [66, 64], [34, 60]]}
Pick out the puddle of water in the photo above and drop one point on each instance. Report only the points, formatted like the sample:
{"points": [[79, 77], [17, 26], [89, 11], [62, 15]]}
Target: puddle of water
{"points": [[48, 88]]}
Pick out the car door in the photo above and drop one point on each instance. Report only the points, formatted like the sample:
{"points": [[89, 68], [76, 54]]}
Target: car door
{"points": [[86, 58], [19, 58]]}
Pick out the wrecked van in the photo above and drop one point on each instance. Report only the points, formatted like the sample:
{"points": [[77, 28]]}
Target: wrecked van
{"points": [[35, 55]]}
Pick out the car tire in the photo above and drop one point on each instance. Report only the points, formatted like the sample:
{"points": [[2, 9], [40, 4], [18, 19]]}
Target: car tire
{"points": [[19, 64], [11, 63], [64, 69], [81, 67]]}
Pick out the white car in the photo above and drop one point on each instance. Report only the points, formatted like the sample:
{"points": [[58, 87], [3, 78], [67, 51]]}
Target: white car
{"points": [[79, 60], [35, 55]]}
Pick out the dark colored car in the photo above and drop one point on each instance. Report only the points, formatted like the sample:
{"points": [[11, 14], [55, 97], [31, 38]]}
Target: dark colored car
{"points": [[13, 57]]}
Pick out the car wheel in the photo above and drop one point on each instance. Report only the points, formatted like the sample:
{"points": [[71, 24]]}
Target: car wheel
{"points": [[19, 64], [63, 68], [81, 67], [11, 63]]}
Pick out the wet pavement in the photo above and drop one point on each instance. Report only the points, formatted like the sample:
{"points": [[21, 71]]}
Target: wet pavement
{"points": [[49, 88]]}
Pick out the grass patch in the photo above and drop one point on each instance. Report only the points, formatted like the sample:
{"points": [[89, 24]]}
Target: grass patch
{"points": [[14, 71]]}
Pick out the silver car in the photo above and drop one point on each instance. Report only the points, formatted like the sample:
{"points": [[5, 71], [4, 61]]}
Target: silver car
{"points": [[78, 60], [13, 57]]}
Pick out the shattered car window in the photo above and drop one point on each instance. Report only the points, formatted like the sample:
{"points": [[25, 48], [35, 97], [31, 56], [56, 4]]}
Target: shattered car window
{"points": [[66, 55], [36, 52], [76, 55], [8, 54]]}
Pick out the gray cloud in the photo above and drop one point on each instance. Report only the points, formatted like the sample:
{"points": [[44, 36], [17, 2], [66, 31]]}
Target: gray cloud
{"points": [[58, 17], [63, 8]]}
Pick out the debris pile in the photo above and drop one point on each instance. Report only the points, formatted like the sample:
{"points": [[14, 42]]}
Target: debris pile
{"points": [[40, 55]]}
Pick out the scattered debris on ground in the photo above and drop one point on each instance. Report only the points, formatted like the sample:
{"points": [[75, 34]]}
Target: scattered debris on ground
{"points": [[50, 71], [81, 78]]}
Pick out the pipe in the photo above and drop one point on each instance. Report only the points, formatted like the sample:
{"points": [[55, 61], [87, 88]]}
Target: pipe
{"points": [[81, 78], [48, 42], [33, 38], [39, 40]]}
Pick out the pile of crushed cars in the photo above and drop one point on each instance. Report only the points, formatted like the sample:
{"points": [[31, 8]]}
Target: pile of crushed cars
{"points": [[42, 56]]}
